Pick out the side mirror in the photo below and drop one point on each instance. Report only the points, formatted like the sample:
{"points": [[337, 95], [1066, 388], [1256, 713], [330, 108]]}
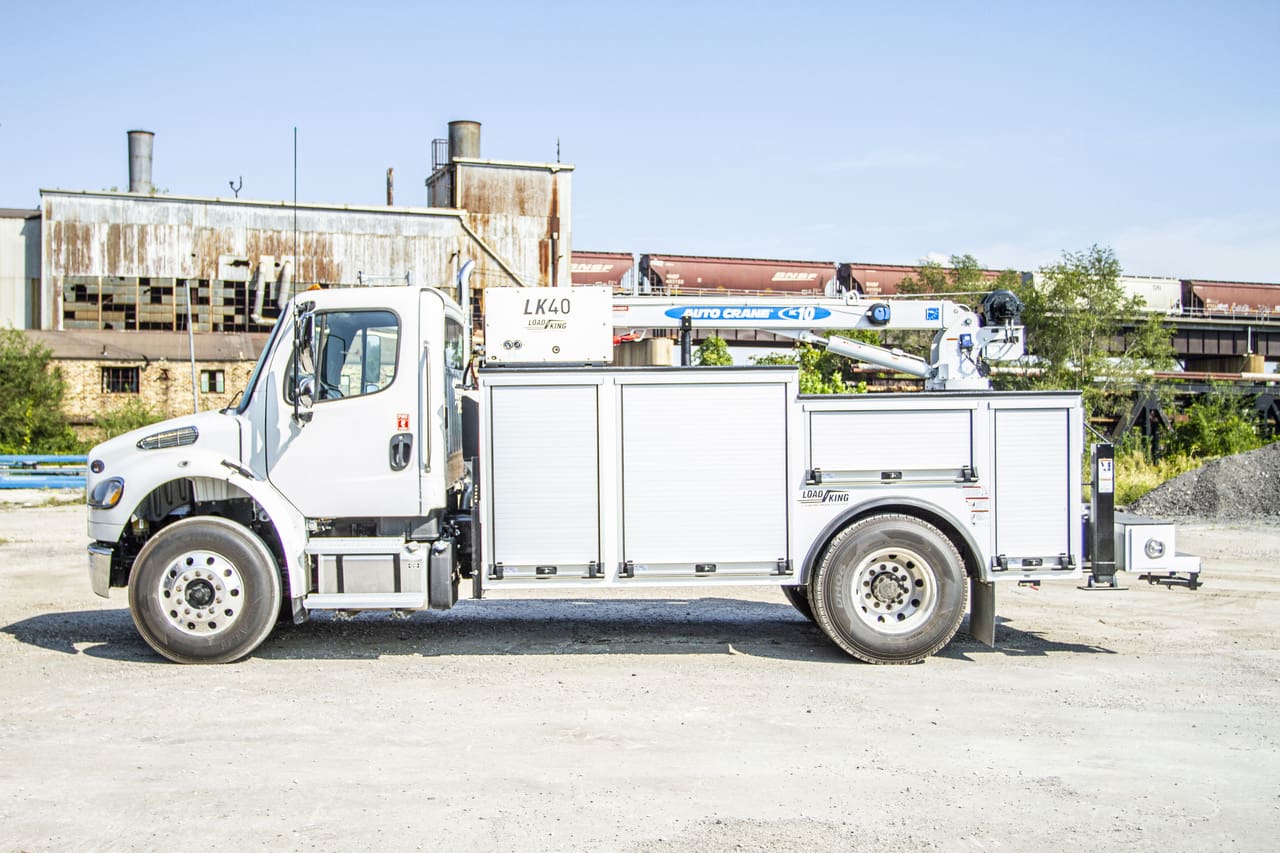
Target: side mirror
{"points": [[304, 362], [304, 337], [306, 392]]}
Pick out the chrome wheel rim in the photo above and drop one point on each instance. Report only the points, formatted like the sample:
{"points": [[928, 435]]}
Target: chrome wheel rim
{"points": [[895, 590], [201, 593]]}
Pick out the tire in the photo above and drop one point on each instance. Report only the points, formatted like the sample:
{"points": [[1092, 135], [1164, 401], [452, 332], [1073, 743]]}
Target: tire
{"points": [[889, 589], [204, 590], [799, 598]]}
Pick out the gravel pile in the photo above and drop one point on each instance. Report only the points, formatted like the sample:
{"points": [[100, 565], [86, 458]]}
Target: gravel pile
{"points": [[1246, 485]]}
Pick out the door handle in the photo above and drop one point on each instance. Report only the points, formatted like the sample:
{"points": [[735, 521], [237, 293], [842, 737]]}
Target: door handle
{"points": [[401, 450]]}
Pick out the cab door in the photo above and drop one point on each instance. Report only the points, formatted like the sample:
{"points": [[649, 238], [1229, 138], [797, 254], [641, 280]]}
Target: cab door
{"points": [[358, 454]]}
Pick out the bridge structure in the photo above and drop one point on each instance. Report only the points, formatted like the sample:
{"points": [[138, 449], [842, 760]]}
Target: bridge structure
{"points": [[1226, 343]]}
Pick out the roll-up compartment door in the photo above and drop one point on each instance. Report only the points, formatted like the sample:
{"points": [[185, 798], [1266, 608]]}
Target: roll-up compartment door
{"points": [[704, 477], [1033, 468], [902, 445], [546, 492]]}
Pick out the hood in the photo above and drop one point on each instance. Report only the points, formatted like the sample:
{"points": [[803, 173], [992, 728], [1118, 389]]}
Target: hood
{"points": [[216, 432]]}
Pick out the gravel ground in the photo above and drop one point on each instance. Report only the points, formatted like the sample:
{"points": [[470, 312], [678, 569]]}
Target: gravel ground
{"points": [[1246, 485], [1141, 720]]}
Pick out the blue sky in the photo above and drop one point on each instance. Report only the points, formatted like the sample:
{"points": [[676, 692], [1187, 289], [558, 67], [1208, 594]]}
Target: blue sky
{"points": [[881, 132]]}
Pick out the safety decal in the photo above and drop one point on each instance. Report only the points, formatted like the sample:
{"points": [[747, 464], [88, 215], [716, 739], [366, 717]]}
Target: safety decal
{"points": [[402, 422]]}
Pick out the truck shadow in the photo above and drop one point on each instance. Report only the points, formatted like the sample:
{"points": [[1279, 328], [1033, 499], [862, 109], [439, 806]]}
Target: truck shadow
{"points": [[1014, 643], [530, 627], [101, 633]]}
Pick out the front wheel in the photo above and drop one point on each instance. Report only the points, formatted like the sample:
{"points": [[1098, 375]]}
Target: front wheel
{"points": [[889, 589], [204, 590]]}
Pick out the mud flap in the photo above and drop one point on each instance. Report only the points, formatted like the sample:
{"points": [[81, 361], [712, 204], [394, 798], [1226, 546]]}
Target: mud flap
{"points": [[982, 612]]}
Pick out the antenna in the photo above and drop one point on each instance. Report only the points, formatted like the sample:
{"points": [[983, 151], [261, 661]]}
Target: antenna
{"points": [[557, 149], [191, 344], [235, 188], [296, 267]]}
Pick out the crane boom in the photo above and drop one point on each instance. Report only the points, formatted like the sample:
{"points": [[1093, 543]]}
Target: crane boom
{"points": [[961, 349]]}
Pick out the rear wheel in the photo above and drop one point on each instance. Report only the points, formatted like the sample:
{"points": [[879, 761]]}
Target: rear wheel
{"points": [[799, 598], [889, 589], [204, 590]]}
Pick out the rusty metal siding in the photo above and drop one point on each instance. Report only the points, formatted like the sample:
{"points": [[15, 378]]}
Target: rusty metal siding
{"points": [[523, 212], [19, 263], [92, 234]]}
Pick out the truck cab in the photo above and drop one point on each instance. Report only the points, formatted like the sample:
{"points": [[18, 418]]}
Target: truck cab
{"points": [[344, 444]]}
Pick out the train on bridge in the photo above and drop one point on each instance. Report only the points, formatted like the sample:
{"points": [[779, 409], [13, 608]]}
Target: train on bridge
{"points": [[693, 274]]}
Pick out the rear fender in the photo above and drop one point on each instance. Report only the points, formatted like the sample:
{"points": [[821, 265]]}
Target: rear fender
{"points": [[975, 565]]}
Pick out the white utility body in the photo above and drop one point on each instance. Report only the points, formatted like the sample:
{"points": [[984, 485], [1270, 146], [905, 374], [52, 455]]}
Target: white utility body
{"points": [[365, 469]]}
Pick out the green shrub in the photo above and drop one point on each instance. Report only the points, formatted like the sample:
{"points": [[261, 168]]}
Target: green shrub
{"points": [[1218, 424], [125, 418], [31, 418], [713, 352], [821, 372], [1137, 474]]}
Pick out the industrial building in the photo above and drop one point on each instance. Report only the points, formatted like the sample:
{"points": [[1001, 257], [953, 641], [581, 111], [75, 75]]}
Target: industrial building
{"points": [[104, 275], [106, 279], [20, 297]]}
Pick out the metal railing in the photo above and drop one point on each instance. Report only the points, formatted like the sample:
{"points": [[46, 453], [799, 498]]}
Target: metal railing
{"points": [[439, 154], [42, 472]]}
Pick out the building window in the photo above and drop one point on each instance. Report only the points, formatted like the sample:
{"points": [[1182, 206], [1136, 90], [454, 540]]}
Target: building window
{"points": [[212, 381], [120, 380]]}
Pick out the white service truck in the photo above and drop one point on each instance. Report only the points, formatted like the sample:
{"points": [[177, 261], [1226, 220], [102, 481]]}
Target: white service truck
{"points": [[367, 466]]}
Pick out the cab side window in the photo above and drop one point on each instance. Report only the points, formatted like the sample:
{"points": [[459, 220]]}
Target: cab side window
{"points": [[455, 358], [356, 354]]}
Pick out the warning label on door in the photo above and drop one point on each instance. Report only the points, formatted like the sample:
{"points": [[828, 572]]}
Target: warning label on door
{"points": [[402, 421]]}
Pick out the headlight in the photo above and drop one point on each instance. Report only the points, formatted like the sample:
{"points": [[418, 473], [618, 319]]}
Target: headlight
{"points": [[1154, 549], [107, 494]]}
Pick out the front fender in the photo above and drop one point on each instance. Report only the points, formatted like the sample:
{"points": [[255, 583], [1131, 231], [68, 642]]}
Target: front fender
{"points": [[147, 473]]}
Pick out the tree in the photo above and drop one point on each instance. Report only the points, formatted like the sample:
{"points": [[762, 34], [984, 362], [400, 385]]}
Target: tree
{"points": [[821, 372], [964, 281], [963, 277], [31, 418], [713, 352], [1217, 424], [1084, 332]]}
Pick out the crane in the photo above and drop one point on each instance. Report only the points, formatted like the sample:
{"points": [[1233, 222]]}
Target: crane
{"points": [[964, 344]]}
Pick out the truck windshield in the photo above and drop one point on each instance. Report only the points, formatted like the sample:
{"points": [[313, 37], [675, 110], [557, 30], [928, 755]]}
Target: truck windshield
{"points": [[260, 366]]}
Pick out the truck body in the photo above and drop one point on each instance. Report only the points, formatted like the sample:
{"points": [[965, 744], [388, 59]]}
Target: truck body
{"points": [[363, 469]]}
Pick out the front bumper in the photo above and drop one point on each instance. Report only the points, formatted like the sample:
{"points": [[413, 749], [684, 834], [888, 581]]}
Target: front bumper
{"points": [[100, 568]]}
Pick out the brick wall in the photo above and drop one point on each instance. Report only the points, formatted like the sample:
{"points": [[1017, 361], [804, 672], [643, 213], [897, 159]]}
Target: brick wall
{"points": [[163, 386]]}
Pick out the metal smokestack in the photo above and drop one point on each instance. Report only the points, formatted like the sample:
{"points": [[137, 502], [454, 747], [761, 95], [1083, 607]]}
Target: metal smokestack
{"points": [[140, 144], [464, 139]]}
